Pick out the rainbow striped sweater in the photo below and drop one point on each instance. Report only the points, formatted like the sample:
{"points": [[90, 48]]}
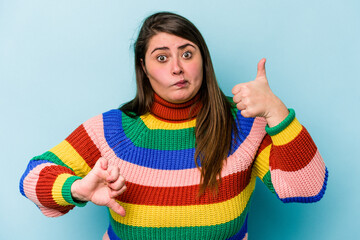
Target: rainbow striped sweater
{"points": [[155, 153]]}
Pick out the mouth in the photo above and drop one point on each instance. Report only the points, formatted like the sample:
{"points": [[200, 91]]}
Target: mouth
{"points": [[181, 83]]}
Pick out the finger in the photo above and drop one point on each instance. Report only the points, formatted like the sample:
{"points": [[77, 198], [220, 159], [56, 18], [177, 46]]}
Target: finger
{"points": [[237, 88], [241, 106], [237, 98], [114, 194], [245, 113], [114, 173], [116, 207], [261, 69], [103, 163], [118, 184]]}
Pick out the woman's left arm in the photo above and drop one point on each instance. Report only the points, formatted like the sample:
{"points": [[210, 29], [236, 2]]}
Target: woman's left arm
{"points": [[288, 160]]}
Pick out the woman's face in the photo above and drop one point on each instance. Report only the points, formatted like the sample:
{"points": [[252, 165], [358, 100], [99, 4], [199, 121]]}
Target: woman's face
{"points": [[174, 67]]}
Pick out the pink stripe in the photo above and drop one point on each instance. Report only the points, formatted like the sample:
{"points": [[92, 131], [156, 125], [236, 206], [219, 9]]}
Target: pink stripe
{"points": [[31, 180], [106, 236], [239, 161], [305, 182], [49, 212], [30, 183]]}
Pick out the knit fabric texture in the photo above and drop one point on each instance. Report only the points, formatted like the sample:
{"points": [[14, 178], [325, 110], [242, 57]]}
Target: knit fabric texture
{"points": [[155, 153]]}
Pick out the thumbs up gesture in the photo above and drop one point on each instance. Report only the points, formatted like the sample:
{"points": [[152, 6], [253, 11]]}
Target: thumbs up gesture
{"points": [[255, 98]]}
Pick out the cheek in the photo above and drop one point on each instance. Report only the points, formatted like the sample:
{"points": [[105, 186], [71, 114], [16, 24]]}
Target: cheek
{"points": [[196, 70], [157, 75]]}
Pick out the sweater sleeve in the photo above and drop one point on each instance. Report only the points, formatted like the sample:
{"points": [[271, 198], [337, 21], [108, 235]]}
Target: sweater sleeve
{"points": [[289, 163], [48, 178]]}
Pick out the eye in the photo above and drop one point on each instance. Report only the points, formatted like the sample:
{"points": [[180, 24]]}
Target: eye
{"points": [[161, 58], [187, 55]]}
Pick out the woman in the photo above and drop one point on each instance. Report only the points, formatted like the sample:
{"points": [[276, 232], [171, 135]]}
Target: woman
{"points": [[180, 160]]}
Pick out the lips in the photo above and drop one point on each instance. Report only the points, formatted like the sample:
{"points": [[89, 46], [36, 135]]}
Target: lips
{"points": [[181, 83]]}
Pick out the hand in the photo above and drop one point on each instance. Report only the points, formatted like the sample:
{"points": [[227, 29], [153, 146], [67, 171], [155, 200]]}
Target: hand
{"points": [[101, 186], [255, 99]]}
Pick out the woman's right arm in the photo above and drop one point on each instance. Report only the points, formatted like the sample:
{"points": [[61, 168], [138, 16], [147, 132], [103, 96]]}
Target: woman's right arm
{"points": [[55, 180]]}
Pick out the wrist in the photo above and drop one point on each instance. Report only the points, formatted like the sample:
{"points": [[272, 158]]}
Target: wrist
{"points": [[282, 125], [75, 193], [277, 113]]}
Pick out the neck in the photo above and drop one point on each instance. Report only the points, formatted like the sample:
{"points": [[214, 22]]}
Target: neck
{"points": [[176, 112]]}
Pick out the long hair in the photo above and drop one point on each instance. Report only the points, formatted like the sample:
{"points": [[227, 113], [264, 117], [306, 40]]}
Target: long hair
{"points": [[214, 122]]}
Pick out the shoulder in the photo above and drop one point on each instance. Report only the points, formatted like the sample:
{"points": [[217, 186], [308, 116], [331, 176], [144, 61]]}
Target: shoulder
{"points": [[113, 115]]}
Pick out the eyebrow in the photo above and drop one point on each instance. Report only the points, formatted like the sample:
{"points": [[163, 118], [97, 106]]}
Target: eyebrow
{"points": [[166, 48]]}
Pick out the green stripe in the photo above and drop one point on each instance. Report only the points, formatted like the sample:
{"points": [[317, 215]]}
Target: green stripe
{"points": [[281, 126], [66, 191], [220, 231], [159, 139], [267, 181], [49, 156]]}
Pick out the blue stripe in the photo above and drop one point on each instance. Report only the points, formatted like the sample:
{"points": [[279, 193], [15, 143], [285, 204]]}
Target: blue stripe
{"points": [[153, 158], [241, 234], [244, 126], [309, 199], [32, 164], [112, 234]]}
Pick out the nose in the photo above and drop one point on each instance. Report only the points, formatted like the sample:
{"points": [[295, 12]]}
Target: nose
{"points": [[177, 67]]}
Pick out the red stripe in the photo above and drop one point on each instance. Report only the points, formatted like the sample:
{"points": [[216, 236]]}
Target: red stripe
{"points": [[229, 187], [264, 144], [82, 143], [294, 155], [44, 186], [177, 113], [173, 121]]}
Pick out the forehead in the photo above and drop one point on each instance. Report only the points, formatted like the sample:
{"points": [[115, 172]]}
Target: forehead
{"points": [[167, 40]]}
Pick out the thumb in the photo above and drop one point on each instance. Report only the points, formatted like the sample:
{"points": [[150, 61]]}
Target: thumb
{"points": [[103, 163], [261, 69], [116, 207]]}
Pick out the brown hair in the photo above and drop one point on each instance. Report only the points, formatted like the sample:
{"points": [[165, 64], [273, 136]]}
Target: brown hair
{"points": [[214, 122]]}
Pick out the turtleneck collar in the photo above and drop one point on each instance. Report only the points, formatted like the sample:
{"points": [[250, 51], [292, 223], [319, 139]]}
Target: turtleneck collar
{"points": [[176, 112]]}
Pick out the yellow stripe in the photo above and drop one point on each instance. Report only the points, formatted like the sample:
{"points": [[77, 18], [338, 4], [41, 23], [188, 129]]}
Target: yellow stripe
{"points": [[71, 157], [288, 134], [56, 190], [153, 123], [261, 165], [185, 216]]}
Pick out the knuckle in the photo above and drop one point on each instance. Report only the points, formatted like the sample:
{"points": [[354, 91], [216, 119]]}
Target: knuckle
{"points": [[246, 101], [244, 114], [122, 179]]}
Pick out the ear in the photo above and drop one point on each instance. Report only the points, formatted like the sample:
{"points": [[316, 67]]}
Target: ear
{"points": [[143, 66]]}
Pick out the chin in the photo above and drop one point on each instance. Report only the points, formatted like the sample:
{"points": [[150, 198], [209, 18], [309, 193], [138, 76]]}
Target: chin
{"points": [[178, 100], [181, 99]]}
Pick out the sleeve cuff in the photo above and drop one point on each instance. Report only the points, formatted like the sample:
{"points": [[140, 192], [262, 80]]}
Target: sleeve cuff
{"points": [[281, 126], [66, 191]]}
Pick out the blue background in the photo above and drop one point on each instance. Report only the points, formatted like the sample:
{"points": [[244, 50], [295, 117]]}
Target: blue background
{"points": [[62, 62]]}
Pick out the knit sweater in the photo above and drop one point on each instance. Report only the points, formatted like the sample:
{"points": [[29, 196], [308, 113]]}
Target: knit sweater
{"points": [[155, 153]]}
